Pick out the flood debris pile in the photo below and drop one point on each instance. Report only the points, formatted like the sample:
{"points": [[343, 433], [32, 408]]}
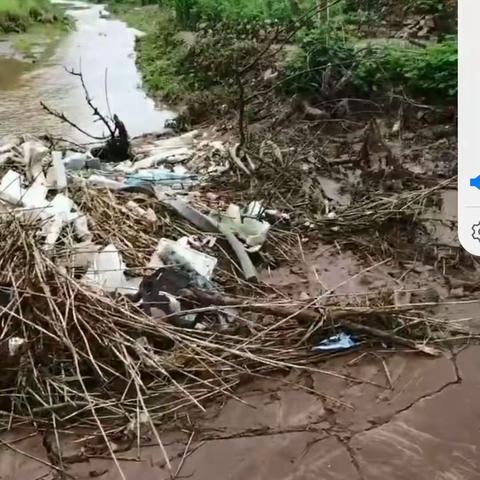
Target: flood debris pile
{"points": [[365, 183], [115, 297]]}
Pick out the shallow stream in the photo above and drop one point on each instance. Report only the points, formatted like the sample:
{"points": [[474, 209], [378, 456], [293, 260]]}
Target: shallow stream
{"points": [[104, 50]]}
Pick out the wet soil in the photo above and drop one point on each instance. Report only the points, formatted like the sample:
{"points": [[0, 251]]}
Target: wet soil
{"points": [[369, 416]]}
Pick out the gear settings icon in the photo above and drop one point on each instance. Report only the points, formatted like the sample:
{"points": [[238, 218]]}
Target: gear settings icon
{"points": [[476, 231]]}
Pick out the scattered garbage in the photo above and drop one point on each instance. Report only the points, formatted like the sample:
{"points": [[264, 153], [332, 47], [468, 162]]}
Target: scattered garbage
{"points": [[104, 182], [107, 273], [340, 341], [123, 280], [170, 150], [137, 210], [162, 176], [181, 254], [245, 224], [78, 161], [14, 345]]}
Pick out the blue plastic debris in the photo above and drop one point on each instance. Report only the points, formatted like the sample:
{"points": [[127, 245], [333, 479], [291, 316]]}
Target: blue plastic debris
{"points": [[160, 176], [341, 341], [475, 182]]}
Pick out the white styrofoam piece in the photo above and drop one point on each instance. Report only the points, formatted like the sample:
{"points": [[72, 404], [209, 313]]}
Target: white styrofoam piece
{"points": [[200, 262], [34, 152], [35, 199], [252, 231], [83, 254], [11, 189], [101, 181], [59, 213], [107, 272], [56, 174], [61, 206], [174, 155], [80, 225]]}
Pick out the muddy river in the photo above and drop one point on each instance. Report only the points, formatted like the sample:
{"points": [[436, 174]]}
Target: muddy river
{"points": [[104, 48]]}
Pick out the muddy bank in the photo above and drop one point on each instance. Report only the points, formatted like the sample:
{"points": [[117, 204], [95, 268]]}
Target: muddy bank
{"points": [[288, 429]]}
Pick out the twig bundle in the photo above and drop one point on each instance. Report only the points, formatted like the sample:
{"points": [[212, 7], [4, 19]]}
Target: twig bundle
{"points": [[96, 360]]}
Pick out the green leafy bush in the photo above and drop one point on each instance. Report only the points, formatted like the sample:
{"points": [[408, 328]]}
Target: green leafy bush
{"points": [[427, 6], [331, 60], [191, 12], [18, 15], [160, 57], [326, 55], [430, 72]]}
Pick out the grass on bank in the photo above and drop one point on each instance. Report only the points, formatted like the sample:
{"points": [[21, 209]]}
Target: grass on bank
{"points": [[22, 6], [20, 15]]}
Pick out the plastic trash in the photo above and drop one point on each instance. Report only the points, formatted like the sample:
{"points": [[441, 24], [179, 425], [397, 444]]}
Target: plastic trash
{"points": [[176, 266], [107, 273], [14, 345], [157, 295], [170, 150], [34, 154], [56, 213], [78, 161], [140, 212], [244, 224], [104, 182], [61, 211], [56, 174], [161, 176], [341, 341], [80, 255], [80, 224], [11, 189], [35, 199], [200, 262]]}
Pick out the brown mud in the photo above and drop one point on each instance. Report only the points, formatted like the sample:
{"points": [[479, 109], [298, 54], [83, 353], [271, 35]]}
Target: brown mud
{"points": [[396, 416]]}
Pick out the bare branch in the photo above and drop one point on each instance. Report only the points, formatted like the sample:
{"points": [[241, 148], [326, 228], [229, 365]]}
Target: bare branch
{"points": [[61, 116], [95, 110]]}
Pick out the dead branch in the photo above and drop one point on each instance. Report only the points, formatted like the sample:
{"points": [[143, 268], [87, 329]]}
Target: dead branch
{"points": [[61, 116], [88, 98], [345, 317], [117, 144]]}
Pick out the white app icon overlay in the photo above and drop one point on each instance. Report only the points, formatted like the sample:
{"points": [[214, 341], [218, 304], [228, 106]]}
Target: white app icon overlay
{"points": [[469, 125]]}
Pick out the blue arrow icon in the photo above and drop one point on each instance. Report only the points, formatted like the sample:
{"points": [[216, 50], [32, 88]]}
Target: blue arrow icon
{"points": [[475, 182]]}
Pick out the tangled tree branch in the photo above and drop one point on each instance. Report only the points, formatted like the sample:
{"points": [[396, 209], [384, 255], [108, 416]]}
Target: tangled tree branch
{"points": [[117, 145]]}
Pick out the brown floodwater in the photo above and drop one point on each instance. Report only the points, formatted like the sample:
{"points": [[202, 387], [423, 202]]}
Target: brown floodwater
{"points": [[104, 49]]}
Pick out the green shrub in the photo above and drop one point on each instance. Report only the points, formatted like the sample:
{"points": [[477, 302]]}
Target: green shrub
{"points": [[191, 12], [426, 6], [326, 56], [18, 15], [330, 59], [161, 56], [430, 72]]}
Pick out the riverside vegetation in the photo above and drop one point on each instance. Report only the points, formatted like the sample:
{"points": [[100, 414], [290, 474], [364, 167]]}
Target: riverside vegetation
{"points": [[192, 49], [31, 26]]}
